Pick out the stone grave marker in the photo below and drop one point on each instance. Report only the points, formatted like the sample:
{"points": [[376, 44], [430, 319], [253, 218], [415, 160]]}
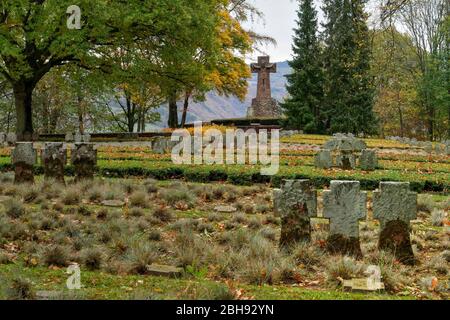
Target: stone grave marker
{"points": [[69, 137], [428, 146], [297, 204], [86, 138], [346, 160], [24, 158], [276, 201], [368, 160], [394, 205], [78, 138], [323, 159], [345, 205], [54, 158], [11, 138], [84, 160]]}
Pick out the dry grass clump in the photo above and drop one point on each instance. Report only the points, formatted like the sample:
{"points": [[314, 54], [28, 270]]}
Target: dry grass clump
{"points": [[139, 199], [14, 208], [205, 227], [340, 268], [180, 194], [307, 255], [55, 255], [95, 193], [215, 217], [438, 217], [263, 264], [255, 223], [163, 214], [154, 235], [140, 255], [262, 208], [92, 258], [190, 250], [71, 196], [136, 212], [239, 218], [391, 272], [19, 288]]}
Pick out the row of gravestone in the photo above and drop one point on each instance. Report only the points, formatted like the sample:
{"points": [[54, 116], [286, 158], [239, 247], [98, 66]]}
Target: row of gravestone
{"points": [[11, 138], [343, 151], [53, 159], [439, 148], [394, 205], [367, 160], [78, 137], [7, 138]]}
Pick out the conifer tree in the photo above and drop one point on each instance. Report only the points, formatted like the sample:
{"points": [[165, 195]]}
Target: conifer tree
{"points": [[348, 86], [305, 84]]}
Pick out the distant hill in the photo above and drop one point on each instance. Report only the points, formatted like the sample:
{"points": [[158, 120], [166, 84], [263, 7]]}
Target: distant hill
{"points": [[217, 107]]}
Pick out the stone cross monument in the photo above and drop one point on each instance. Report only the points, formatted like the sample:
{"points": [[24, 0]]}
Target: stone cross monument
{"points": [[264, 106]]}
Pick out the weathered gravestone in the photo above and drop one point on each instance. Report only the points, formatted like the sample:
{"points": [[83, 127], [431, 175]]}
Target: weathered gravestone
{"points": [[428, 147], [69, 137], [23, 158], [344, 204], [161, 145], [346, 160], [54, 158], [394, 205], [297, 203], [323, 159], [276, 195], [84, 159], [86, 137], [368, 160], [11, 138], [78, 138]]}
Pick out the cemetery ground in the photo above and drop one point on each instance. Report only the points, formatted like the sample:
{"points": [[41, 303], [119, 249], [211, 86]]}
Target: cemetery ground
{"points": [[215, 226]]}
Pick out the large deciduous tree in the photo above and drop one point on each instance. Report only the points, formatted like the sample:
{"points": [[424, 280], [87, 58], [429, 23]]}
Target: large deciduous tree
{"points": [[34, 39]]}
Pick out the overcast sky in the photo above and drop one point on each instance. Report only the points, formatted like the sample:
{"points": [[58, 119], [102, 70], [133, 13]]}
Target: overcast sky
{"points": [[280, 17]]}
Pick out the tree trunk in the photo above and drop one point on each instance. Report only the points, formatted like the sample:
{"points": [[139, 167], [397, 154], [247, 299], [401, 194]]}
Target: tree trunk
{"points": [[185, 109], [23, 93], [173, 111], [80, 115]]}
